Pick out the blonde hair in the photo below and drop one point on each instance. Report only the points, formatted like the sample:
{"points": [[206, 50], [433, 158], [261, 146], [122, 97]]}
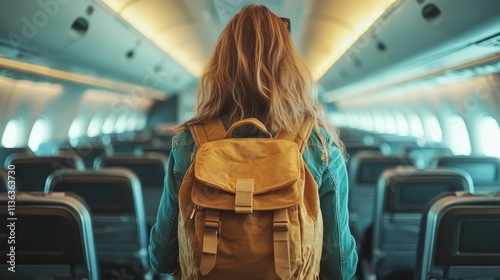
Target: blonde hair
{"points": [[255, 71]]}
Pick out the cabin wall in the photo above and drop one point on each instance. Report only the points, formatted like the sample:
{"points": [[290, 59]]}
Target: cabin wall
{"points": [[471, 100], [65, 111]]}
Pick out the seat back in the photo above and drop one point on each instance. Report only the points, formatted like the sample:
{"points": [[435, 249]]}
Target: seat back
{"points": [[6, 152], [87, 153], [484, 170], [32, 172], [402, 194], [3, 181], [422, 156], [53, 238], [115, 200], [150, 169], [365, 169], [459, 238]]}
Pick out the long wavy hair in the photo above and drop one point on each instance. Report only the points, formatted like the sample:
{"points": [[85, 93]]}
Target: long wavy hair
{"points": [[255, 71]]}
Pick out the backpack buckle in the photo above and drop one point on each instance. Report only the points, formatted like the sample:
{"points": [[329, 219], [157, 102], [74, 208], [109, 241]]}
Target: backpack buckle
{"points": [[212, 222], [213, 226], [280, 226]]}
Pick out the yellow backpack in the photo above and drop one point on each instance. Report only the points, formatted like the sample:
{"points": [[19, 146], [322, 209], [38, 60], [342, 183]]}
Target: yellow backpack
{"points": [[249, 207]]}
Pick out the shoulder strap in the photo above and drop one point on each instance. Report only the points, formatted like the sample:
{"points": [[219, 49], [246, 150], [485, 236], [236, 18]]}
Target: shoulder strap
{"points": [[299, 136], [210, 131]]}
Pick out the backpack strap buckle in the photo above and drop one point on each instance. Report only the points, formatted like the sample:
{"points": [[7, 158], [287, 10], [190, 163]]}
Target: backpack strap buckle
{"points": [[211, 236], [243, 202], [281, 241]]}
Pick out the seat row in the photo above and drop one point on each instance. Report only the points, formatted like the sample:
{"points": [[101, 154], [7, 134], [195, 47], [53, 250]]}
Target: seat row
{"points": [[387, 197], [122, 194]]}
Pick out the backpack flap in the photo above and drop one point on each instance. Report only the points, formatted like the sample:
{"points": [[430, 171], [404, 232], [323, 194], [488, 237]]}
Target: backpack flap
{"points": [[246, 175]]}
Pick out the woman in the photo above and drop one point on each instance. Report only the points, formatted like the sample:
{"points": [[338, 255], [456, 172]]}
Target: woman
{"points": [[256, 72]]}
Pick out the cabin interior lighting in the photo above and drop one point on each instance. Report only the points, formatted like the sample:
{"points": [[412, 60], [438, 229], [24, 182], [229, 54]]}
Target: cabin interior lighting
{"points": [[370, 14], [173, 27], [44, 71]]}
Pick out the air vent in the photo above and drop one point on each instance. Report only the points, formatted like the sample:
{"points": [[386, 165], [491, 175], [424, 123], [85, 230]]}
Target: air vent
{"points": [[80, 25], [89, 10], [381, 47], [130, 54], [431, 12]]}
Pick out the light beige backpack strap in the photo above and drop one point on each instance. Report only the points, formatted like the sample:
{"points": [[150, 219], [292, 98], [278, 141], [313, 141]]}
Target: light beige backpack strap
{"points": [[211, 235], [210, 131], [300, 136], [253, 121], [281, 244]]}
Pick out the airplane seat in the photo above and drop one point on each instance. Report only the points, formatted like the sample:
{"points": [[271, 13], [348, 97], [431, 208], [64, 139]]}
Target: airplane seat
{"points": [[459, 238], [4, 182], [150, 168], [422, 156], [5, 152], [32, 171], [87, 153], [484, 170], [396, 146], [128, 147], [144, 149], [402, 194], [115, 200], [363, 174], [53, 238]]}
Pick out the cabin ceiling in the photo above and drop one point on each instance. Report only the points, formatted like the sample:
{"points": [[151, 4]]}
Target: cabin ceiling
{"points": [[187, 30], [157, 48]]}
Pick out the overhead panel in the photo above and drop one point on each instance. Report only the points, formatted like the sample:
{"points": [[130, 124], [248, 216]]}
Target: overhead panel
{"points": [[333, 26], [171, 26]]}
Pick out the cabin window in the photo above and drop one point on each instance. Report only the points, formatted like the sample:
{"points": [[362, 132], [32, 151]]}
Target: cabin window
{"points": [[417, 129], [367, 121], [121, 122], [402, 124], [76, 129], [11, 134], [94, 127], [433, 129], [489, 135], [38, 134], [458, 135], [132, 121], [379, 123], [391, 126], [109, 124], [141, 121]]}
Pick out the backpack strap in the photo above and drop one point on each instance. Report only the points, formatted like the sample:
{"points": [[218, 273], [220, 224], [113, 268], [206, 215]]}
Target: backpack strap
{"points": [[281, 244], [299, 136], [211, 235], [207, 132]]}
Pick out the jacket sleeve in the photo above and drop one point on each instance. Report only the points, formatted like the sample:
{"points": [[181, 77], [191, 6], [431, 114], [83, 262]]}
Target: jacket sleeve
{"points": [[339, 257], [163, 244]]}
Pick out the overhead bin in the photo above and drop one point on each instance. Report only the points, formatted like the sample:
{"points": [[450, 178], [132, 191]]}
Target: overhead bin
{"points": [[87, 38], [413, 39]]}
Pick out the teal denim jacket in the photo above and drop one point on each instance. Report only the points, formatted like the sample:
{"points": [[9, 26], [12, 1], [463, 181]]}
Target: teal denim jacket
{"points": [[339, 258]]}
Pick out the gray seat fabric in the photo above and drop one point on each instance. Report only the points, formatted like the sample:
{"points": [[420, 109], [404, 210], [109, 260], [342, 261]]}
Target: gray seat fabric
{"points": [[53, 238], [150, 169], [484, 170], [459, 238], [6, 152], [365, 169], [423, 156], [402, 194], [115, 199], [3, 181], [32, 172], [87, 153]]}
